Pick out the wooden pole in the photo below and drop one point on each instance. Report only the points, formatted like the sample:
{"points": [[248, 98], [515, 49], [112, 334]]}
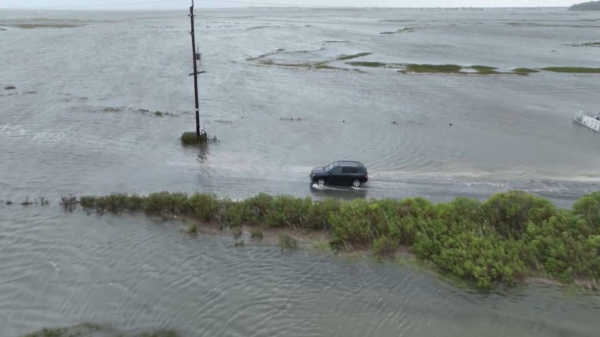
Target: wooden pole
{"points": [[195, 73]]}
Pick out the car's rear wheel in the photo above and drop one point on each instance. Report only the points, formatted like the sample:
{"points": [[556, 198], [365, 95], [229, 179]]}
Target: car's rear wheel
{"points": [[356, 183], [321, 182]]}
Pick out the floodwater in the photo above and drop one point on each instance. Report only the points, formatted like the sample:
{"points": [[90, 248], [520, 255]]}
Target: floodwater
{"points": [[74, 124]]}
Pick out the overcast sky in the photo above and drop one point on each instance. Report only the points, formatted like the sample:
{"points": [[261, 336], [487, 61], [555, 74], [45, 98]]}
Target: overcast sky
{"points": [[179, 4]]}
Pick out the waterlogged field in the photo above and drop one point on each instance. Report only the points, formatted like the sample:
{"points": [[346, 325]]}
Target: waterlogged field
{"points": [[436, 103]]}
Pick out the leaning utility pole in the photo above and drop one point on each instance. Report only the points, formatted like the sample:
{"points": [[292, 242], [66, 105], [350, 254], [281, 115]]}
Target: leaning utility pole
{"points": [[195, 73]]}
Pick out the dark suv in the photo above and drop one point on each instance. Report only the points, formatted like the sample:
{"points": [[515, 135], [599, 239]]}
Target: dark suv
{"points": [[340, 173]]}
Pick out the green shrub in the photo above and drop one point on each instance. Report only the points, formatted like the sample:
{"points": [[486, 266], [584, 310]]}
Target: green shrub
{"points": [[350, 226], [510, 213], [384, 246], [288, 212], [588, 207], [164, 202], [563, 247], [203, 206], [257, 208], [232, 213], [320, 212]]}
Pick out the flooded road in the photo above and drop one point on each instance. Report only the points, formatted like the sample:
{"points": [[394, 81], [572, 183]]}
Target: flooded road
{"points": [[81, 119], [75, 122]]}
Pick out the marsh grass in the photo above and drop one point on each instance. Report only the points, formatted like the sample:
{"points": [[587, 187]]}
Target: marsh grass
{"points": [[350, 57], [525, 71], [68, 203], [505, 239], [432, 68], [375, 64], [485, 70], [256, 234], [287, 242], [573, 70]]}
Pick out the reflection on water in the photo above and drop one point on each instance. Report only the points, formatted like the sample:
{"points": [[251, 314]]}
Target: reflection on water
{"points": [[339, 192]]}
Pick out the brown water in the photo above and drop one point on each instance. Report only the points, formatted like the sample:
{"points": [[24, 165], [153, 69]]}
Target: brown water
{"points": [[60, 134]]}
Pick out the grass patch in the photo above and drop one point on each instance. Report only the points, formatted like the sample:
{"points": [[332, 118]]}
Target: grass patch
{"points": [[350, 57], [505, 239], [431, 68], [485, 70], [573, 70], [525, 71], [256, 234], [190, 138], [287, 242], [385, 246]]}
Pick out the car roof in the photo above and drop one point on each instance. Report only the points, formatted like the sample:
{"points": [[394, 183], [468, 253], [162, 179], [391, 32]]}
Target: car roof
{"points": [[349, 163]]}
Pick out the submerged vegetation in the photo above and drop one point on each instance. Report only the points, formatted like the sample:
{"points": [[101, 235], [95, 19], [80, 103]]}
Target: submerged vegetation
{"points": [[509, 237], [44, 25], [399, 31], [375, 64], [587, 44], [92, 329], [190, 138]]}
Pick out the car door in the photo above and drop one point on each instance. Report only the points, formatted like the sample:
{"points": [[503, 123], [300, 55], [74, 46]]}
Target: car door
{"points": [[348, 174], [335, 175]]}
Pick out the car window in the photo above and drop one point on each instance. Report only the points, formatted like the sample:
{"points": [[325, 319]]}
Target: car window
{"points": [[349, 169], [336, 170]]}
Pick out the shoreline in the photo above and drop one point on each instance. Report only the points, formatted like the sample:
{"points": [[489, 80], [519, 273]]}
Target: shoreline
{"points": [[318, 242], [513, 238]]}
